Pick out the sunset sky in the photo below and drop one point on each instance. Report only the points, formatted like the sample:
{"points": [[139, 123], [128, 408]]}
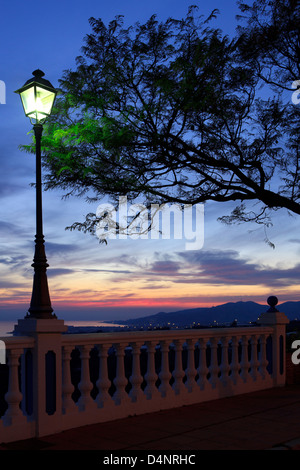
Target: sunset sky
{"points": [[126, 278]]}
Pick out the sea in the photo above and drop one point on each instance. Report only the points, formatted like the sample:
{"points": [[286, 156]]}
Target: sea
{"points": [[7, 327]]}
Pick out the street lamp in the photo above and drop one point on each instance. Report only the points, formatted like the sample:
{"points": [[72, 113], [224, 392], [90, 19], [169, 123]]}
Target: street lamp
{"points": [[37, 96]]}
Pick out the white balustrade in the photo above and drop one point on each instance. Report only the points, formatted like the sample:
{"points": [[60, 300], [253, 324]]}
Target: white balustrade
{"points": [[217, 363]]}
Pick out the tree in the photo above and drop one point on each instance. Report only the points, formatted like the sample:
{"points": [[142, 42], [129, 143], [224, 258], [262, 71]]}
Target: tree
{"points": [[173, 112], [270, 41]]}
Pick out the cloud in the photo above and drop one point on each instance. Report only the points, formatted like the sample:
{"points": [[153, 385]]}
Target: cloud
{"points": [[15, 260], [5, 284], [227, 267], [214, 267], [114, 271], [9, 229], [168, 267], [60, 248], [60, 272], [9, 189]]}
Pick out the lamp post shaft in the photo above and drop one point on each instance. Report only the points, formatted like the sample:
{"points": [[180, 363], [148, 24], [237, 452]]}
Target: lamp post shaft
{"points": [[38, 130], [40, 306]]}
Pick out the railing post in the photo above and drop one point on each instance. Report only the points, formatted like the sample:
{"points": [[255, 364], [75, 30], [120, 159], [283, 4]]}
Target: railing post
{"points": [[47, 377], [278, 321]]}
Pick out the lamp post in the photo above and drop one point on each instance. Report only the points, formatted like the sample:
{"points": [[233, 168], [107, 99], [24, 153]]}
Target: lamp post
{"points": [[37, 96]]}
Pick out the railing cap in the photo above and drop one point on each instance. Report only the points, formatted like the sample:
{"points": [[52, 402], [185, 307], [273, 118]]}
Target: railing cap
{"points": [[273, 316]]}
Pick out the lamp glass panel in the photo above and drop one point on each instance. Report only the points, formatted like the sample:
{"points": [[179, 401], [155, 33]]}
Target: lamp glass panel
{"points": [[44, 100], [37, 102], [28, 100]]}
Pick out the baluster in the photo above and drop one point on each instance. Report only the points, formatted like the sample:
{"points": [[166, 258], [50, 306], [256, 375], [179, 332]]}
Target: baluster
{"points": [[120, 380], [85, 386], [164, 374], [103, 382], [244, 360], [262, 369], [213, 368], [190, 371], [26, 382], [202, 369], [68, 404], [224, 364], [136, 377], [178, 372], [150, 376], [254, 360], [13, 396], [235, 365]]}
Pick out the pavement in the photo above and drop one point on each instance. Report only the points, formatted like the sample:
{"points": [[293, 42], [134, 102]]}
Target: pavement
{"points": [[264, 420]]}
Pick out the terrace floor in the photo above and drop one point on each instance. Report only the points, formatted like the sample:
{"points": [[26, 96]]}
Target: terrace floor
{"points": [[264, 420]]}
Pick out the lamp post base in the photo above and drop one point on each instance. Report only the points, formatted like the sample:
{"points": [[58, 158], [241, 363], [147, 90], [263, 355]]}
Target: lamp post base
{"points": [[40, 306], [44, 315], [30, 326]]}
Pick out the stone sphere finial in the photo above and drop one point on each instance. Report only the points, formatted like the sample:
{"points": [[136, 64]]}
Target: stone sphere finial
{"points": [[272, 302], [38, 73]]}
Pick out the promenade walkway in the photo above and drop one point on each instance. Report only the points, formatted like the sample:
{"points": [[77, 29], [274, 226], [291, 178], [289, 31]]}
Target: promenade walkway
{"points": [[263, 420]]}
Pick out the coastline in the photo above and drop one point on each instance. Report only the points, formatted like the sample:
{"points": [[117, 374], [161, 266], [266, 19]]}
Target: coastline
{"points": [[76, 326]]}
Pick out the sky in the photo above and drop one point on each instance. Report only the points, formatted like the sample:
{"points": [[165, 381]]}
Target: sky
{"points": [[125, 278]]}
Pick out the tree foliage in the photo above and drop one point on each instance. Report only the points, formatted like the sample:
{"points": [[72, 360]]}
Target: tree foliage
{"points": [[175, 111]]}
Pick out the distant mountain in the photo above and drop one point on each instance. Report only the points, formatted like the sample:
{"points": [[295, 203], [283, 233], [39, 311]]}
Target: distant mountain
{"points": [[241, 312], [291, 309]]}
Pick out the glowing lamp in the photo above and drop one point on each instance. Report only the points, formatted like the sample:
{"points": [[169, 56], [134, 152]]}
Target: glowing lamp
{"points": [[37, 96]]}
